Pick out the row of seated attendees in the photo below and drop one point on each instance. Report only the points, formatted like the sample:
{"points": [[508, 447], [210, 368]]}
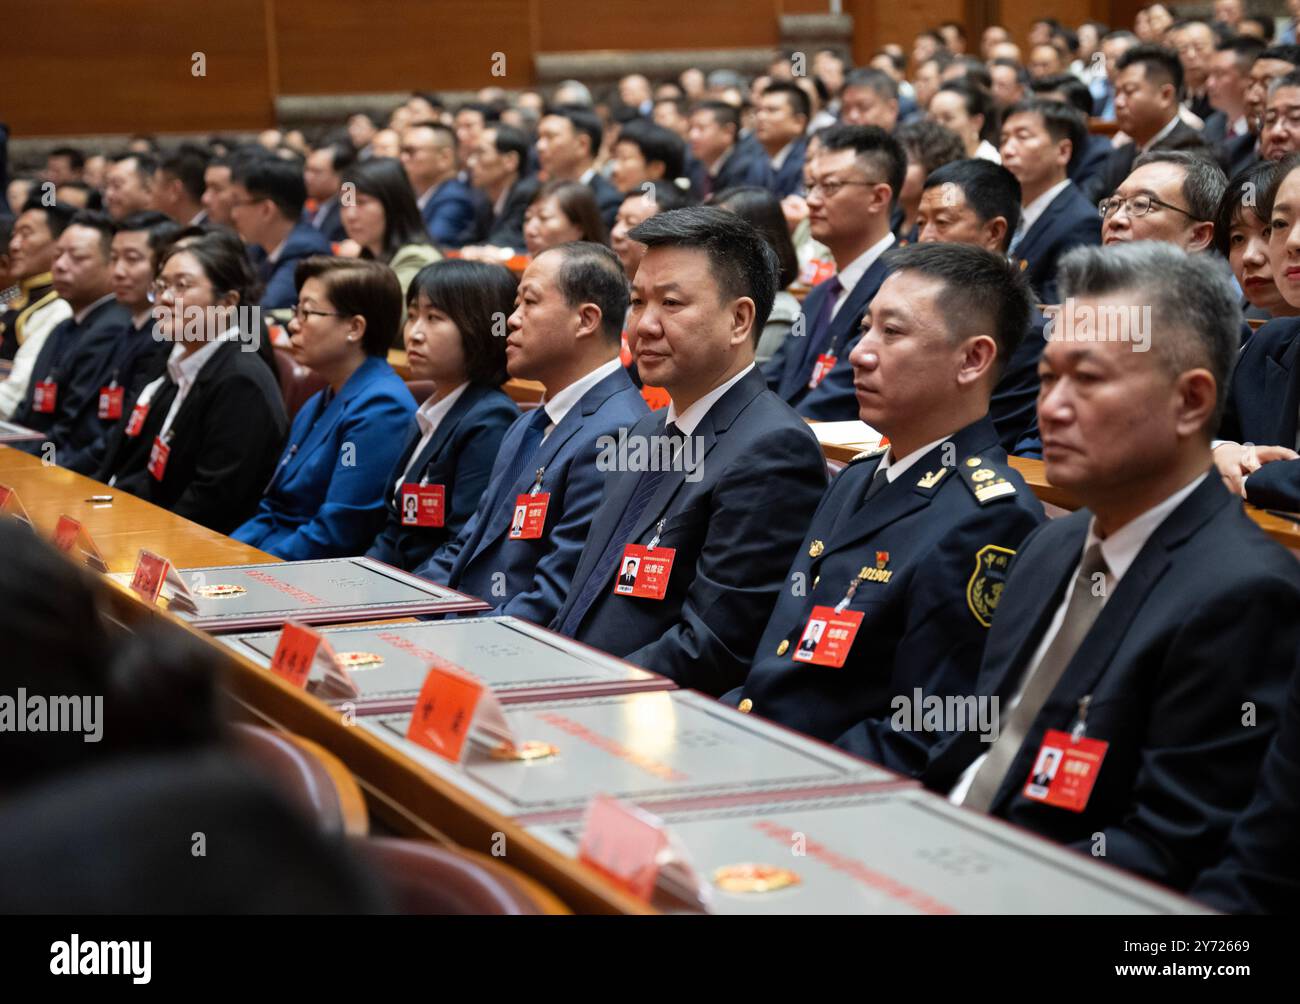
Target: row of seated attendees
{"points": [[933, 317]]}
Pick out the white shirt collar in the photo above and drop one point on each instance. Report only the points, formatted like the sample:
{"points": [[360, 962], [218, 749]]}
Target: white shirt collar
{"points": [[779, 160], [84, 312], [716, 166], [897, 468], [690, 418], [423, 200], [184, 369], [430, 414], [857, 268], [1122, 547], [587, 175], [1169, 127], [1029, 214], [987, 151], [560, 405]]}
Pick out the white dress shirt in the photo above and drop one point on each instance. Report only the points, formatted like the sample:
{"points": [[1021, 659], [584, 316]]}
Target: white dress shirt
{"points": [[1119, 550], [562, 403], [987, 151], [690, 418], [1029, 214], [428, 417], [857, 268], [895, 469]]}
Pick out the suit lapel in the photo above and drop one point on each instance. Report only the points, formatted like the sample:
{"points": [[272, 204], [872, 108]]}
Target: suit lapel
{"points": [[446, 428], [1282, 382]]}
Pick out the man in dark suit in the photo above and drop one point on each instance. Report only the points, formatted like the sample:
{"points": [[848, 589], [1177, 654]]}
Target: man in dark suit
{"points": [[723, 507], [911, 542], [1148, 85], [63, 394], [1148, 636], [266, 208], [780, 124], [1090, 152], [1260, 873], [568, 139], [322, 175], [565, 333], [497, 168], [1280, 134], [1171, 196], [718, 160], [178, 185], [857, 176], [1039, 139], [1194, 42], [446, 203], [1226, 85]]}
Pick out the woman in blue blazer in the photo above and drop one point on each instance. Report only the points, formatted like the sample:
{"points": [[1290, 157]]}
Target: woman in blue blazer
{"points": [[455, 329], [326, 497]]}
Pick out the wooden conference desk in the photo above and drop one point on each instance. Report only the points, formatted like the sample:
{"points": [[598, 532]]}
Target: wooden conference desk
{"points": [[407, 797]]}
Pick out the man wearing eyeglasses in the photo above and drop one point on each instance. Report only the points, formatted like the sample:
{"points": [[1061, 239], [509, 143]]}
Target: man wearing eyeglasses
{"points": [[1281, 132], [854, 184], [1171, 196]]}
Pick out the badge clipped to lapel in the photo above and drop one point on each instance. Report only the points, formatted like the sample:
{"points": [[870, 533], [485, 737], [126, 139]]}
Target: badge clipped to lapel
{"points": [[829, 632], [644, 571], [423, 505], [1066, 767], [529, 518], [110, 402]]}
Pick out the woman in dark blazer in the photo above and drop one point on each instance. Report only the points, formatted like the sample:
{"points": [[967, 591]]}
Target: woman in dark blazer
{"points": [[326, 497], [455, 337], [202, 439]]}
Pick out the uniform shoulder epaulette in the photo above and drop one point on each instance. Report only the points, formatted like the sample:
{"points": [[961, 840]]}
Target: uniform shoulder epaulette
{"points": [[875, 451], [986, 479]]}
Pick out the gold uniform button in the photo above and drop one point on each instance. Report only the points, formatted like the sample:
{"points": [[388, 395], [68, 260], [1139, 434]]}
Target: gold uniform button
{"points": [[783, 647], [746, 705]]}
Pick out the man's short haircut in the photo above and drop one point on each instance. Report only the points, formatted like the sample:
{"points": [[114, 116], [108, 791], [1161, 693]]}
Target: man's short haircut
{"points": [[585, 122], [1291, 79], [929, 144], [342, 156], [591, 273], [1061, 121], [1022, 75], [656, 144], [990, 190], [794, 96], [443, 134], [974, 72], [432, 98], [1246, 48], [57, 216], [1120, 35], [274, 179], [878, 81], [741, 260], [1203, 180], [1266, 26], [93, 219], [1159, 65], [508, 139], [145, 164], [490, 113], [186, 164], [667, 195], [76, 159], [981, 290], [356, 286], [880, 154], [1284, 53], [1195, 305], [1073, 90], [161, 228], [723, 113]]}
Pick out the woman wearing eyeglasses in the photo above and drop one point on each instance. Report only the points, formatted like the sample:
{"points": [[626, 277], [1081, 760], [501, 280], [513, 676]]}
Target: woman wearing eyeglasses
{"points": [[326, 496], [202, 438]]}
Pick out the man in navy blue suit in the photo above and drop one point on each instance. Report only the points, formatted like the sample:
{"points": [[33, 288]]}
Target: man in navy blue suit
{"points": [[711, 494], [780, 124], [1149, 636], [856, 178], [568, 139], [322, 174], [267, 196], [446, 203], [718, 161], [1039, 139], [565, 333]]}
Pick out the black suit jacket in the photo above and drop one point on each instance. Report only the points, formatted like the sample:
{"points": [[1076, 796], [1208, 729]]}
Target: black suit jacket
{"points": [[1201, 631], [459, 457], [747, 166], [1120, 162], [225, 442], [506, 228], [1261, 871], [1091, 159], [608, 198], [1238, 153], [735, 527], [331, 224], [1069, 221], [1013, 406], [924, 627]]}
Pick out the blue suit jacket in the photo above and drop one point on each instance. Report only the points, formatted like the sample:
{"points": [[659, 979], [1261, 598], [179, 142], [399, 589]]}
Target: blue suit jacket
{"points": [[303, 241], [449, 215], [1069, 221], [789, 370], [789, 179], [919, 629], [459, 457], [744, 167], [1090, 160], [530, 578], [1203, 622], [734, 527], [331, 224], [1263, 403], [326, 498]]}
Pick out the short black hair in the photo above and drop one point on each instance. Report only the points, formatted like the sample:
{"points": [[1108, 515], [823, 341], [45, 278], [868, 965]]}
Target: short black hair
{"points": [[584, 121], [1074, 91], [873, 145], [93, 219], [1285, 53], [978, 285], [591, 273], [76, 159], [57, 215], [794, 94], [656, 144], [1246, 48], [187, 163], [508, 139], [471, 294], [990, 190], [724, 114], [145, 164], [667, 195], [1061, 121], [873, 80], [929, 144], [161, 228], [490, 113], [1256, 180], [763, 209], [342, 155], [741, 260], [358, 287], [1159, 64], [269, 177], [1203, 179]]}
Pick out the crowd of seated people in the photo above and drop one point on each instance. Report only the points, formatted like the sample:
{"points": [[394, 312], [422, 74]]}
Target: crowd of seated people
{"points": [[714, 261]]}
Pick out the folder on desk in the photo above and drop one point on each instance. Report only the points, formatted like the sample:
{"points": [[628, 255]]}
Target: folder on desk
{"points": [[517, 660], [651, 749], [11, 433], [901, 851], [325, 591]]}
